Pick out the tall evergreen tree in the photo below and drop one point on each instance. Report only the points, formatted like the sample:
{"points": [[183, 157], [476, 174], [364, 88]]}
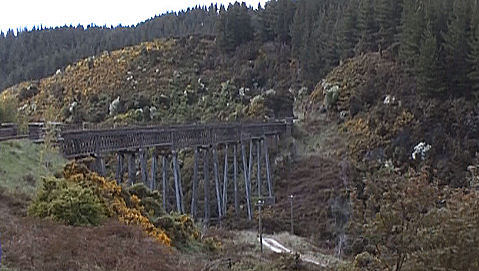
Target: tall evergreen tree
{"points": [[456, 46], [234, 26], [286, 11], [412, 25], [349, 30], [298, 29], [473, 60], [384, 10], [427, 66], [324, 45], [367, 27], [277, 18]]}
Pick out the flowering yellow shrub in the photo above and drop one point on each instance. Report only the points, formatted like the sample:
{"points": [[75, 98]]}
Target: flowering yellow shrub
{"points": [[68, 202], [367, 134], [111, 195], [361, 137]]}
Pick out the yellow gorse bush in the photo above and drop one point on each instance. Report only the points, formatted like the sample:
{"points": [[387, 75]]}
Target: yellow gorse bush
{"points": [[111, 195]]}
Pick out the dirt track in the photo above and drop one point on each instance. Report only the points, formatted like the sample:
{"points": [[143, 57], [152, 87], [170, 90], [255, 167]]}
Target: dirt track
{"points": [[309, 257]]}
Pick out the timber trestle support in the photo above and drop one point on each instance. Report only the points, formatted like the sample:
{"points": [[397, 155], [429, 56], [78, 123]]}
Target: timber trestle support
{"points": [[211, 158]]}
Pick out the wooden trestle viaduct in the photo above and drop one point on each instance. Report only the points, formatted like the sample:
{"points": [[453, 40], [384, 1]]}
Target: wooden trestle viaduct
{"points": [[236, 142]]}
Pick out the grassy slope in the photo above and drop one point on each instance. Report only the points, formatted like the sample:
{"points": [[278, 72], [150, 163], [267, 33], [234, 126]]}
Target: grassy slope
{"points": [[22, 164], [21, 169]]}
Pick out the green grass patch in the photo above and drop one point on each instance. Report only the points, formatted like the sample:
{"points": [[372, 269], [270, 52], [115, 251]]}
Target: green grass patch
{"points": [[23, 164], [5, 268]]}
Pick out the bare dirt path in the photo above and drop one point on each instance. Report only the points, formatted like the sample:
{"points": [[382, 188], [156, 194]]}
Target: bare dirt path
{"points": [[309, 257]]}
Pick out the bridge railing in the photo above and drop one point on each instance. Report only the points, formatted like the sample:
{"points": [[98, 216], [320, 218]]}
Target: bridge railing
{"points": [[35, 131], [8, 131], [87, 142]]}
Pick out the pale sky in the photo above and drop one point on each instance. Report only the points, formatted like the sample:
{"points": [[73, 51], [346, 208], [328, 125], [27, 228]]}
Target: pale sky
{"points": [[50, 13]]}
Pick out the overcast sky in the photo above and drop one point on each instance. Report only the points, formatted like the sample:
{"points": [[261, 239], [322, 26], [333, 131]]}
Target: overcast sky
{"points": [[28, 13]]}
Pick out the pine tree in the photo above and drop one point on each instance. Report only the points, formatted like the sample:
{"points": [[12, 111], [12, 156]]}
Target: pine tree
{"points": [[277, 18], [243, 24], [234, 27], [475, 13], [298, 29], [456, 47], [349, 30], [384, 10], [286, 11], [367, 27], [310, 43], [427, 66], [331, 51], [266, 18], [412, 25], [473, 60]]}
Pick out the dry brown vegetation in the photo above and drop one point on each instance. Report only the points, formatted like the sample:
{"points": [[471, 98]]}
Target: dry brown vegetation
{"points": [[317, 186], [406, 223], [34, 244]]}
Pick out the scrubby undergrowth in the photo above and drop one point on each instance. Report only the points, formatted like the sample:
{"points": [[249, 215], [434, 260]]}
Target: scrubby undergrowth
{"points": [[82, 197], [33, 244], [403, 222], [413, 197], [164, 81], [386, 119]]}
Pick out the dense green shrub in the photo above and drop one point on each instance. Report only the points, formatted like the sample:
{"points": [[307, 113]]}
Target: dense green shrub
{"points": [[68, 202], [180, 228], [150, 200], [97, 109], [28, 92]]}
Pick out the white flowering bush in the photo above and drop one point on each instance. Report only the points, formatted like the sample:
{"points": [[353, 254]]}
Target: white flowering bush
{"points": [[420, 151]]}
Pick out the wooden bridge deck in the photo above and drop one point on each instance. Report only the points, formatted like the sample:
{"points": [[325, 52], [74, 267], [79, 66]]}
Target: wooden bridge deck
{"points": [[88, 142]]}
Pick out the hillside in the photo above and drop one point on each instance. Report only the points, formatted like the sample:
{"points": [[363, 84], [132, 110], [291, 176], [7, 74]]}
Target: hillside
{"points": [[23, 164], [386, 119], [361, 130], [28, 55], [414, 164], [165, 81], [382, 163], [355, 165]]}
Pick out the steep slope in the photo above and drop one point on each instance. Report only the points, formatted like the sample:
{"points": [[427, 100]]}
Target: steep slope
{"points": [[23, 164], [33, 244], [365, 121], [386, 120], [175, 80]]}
